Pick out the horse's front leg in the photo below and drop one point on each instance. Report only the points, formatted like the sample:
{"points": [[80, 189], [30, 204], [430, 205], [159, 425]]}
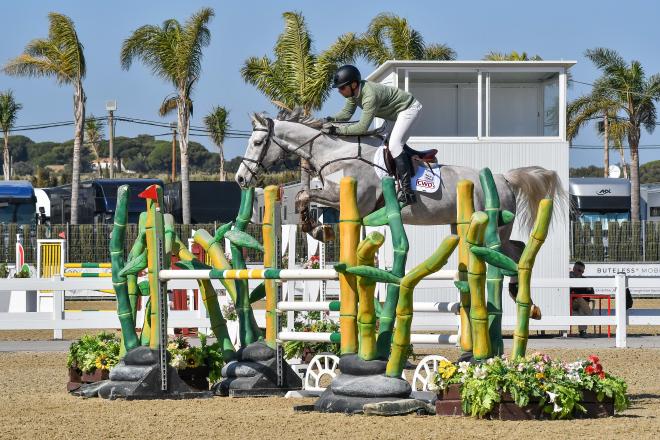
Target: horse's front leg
{"points": [[307, 223]]}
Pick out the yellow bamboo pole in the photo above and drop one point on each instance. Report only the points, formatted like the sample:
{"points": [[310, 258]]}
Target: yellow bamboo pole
{"points": [[481, 347], [465, 209], [349, 235], [271, 194], [366, 286]]}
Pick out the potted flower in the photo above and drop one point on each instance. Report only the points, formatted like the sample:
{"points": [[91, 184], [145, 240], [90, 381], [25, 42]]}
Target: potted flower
{"points": [[532, 387], [91, 358], [196, 365], [311, 322]]}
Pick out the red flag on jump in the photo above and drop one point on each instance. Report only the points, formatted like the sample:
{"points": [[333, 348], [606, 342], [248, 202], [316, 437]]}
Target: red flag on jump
{"points": [[62, 235], [149, 193]]}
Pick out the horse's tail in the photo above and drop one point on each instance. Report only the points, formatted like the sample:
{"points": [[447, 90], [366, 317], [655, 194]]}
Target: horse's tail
{"points": [[532, 184]]}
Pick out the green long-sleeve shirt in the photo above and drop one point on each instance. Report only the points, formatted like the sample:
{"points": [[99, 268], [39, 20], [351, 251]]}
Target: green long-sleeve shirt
{"points": [[376, 101]]}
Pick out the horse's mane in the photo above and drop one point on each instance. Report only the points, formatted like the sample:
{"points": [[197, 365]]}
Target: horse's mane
{"points": [[298, 115]]}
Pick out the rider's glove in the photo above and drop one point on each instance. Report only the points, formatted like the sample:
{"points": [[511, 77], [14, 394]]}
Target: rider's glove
{"points": [[328, 119], [329, 129]]}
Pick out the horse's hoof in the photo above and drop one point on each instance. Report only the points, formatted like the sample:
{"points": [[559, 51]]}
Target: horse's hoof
{"points": [[323, 233], [535, 313]]}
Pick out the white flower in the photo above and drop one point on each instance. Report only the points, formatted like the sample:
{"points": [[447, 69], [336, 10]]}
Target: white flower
{"points": [[557, 408], [178, 361], [480, 372], [432, 386], [552, 396], [490, 361], [463, 367]]}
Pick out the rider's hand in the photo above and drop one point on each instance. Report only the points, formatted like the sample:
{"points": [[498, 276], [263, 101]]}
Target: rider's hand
{"points": [[328, 119], [329, 129]]}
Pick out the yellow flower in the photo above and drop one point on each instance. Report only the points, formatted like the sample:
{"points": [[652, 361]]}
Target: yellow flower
{"points": [[446, 369], [102, 362], [192, 361], [540, 375]]}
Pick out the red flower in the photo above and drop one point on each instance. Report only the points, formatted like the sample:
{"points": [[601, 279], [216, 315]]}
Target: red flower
{"points": [[590, 370], [598, 368], [601, 375], [594, 359]]}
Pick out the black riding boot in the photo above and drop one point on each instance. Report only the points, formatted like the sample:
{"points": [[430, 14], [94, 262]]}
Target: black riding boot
{"points": [[404, 172]]}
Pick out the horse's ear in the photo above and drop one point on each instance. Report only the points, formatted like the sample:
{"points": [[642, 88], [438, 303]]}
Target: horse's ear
{"points": [[258, 120]]}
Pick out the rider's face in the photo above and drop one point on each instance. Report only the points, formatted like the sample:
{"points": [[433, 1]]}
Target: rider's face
{"points": [[346, 90]]}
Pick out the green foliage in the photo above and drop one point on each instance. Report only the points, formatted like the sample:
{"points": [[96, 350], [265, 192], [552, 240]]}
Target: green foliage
{"points": [[296, 76], [94, 351], [183, 355], [511, 56], [390, 37], [9, 109], [311, 322], [555, 385], [4, 272], [24, 272]]}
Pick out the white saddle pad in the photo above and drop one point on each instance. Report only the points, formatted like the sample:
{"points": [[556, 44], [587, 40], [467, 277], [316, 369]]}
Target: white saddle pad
{"points": [[425, 179]]}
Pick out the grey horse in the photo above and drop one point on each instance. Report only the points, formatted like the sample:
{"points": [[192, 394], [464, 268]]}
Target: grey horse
{"points": [[332, 157]]}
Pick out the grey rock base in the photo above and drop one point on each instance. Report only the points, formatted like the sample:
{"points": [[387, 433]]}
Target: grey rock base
{"points": [[255, 373], [137, 376], [364, 383]]}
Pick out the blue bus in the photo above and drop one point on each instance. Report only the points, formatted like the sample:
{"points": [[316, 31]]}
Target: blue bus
{"points": [[18, 203]]}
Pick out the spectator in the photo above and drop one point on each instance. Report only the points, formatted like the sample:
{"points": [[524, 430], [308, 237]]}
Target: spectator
{"points": [[581, 306]]}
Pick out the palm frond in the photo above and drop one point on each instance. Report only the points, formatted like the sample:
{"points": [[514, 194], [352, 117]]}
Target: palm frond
{"points": [[261, 72], [293, 54], [62, 33], [438, 51], [605, 58], [168, 105], [9, 109], [217, 123], [27, 65], [194, 37]]}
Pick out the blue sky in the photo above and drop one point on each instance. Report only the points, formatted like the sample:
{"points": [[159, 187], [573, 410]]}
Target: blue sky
{"points": [[555, 30]]}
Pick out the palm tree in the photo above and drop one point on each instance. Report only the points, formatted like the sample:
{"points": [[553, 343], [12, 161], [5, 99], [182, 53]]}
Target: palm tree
{"points": [[8, 114], [94, 135], [598, 104], [390, 37], [617, 133], [174, 52], [511, 56], [217, 123], [59, 56], [297, 77], [635, 94]]}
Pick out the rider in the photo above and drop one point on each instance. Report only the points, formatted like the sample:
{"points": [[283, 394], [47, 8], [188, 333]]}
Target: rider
{"points": [[380, 101]]}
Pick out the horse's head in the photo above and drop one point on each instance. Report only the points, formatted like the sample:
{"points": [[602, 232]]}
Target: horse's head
{"points": [[260, 153]]}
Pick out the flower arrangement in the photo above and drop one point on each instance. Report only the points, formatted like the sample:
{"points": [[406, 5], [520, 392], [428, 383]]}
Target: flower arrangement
{"points": [[312, 322], [558, 387], [92, 352], [229, 312], [313, 263], [184, 356]]}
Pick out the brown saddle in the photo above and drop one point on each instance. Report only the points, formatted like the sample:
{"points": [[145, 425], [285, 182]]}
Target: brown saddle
{"points": [[426, 156]]}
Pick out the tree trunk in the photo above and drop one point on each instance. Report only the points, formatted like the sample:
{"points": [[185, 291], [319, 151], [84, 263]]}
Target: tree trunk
{"points": [[79, 116], [222, 162], [606, 146], [622, 153], [5, 165], [183, 119], [633, 141]]}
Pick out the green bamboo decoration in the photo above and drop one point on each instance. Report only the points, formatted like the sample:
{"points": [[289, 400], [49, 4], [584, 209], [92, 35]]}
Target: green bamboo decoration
{"points": [[390, 215], [132, 279], [210, 299], [481, 348], [269, 233], [404, 309], [464, 211], [248, 329], [349, 235], [366, 252], [523, 270], [119, 283], [154, 228], [525, 265], [214, 249], [494, 276]]}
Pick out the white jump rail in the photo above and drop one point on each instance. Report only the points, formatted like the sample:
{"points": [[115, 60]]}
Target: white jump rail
{"points": [[60, 319]]}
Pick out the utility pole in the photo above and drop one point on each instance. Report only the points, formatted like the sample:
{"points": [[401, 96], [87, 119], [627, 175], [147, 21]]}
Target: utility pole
{"points": [[111, 106], [173, 126]]}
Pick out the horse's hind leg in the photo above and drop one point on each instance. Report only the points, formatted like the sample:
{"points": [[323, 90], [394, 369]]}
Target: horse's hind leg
{"points": [[514, 249]]}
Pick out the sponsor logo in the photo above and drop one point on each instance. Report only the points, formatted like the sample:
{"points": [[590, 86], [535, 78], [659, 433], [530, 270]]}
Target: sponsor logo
{"points": [[425, 183], [604, 191]]}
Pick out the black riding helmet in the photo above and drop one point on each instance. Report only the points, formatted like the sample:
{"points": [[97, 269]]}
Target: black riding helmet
{"points": [[346, 75]]}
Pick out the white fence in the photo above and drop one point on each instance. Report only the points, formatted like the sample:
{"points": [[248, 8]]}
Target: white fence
{"points": [[59, 319]]}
